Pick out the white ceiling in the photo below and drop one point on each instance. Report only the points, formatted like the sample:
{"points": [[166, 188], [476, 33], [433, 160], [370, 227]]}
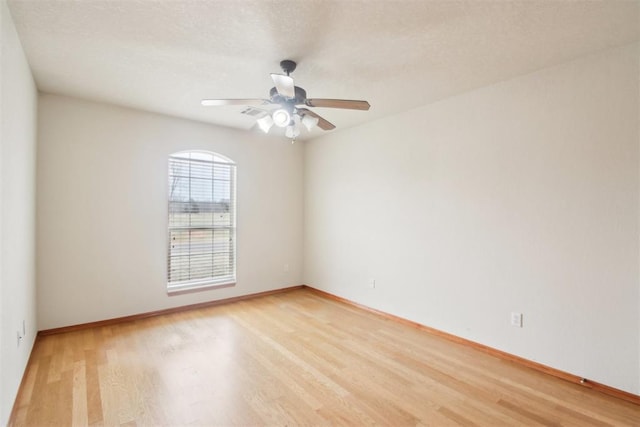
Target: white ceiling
{"points": [[165, 56]]}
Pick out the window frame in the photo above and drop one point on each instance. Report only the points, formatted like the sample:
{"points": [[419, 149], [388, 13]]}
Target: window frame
{"points": [[211, 282]]}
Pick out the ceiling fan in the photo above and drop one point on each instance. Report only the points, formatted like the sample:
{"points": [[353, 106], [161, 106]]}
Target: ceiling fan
{"points": [[292, 102]]}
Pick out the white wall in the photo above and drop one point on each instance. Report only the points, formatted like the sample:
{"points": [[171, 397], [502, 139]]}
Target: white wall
{"points": [[521, 196], [102, 210], [17, 212]]}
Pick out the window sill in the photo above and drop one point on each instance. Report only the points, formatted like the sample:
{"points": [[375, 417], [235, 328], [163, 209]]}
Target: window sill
{"points": [[187, 287]]}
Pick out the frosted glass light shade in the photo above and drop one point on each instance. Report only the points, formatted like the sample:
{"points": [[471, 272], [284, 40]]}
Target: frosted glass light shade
{"points": [[309, 122], [292, 131], [265, 123], [281, 118]]}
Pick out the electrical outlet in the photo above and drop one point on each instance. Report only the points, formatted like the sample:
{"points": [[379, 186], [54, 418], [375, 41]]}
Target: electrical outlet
{"points": [[372, 283], [19, 337], [516, 319]]}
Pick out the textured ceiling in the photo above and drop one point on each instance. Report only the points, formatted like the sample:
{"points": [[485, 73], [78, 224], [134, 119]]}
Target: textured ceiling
{"points": [[165, 56]]}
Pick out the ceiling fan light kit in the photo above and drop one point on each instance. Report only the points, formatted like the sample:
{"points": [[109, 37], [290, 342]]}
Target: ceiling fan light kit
{"points": [[281, 118], [291, 99], [265, 123], [309, 122]]}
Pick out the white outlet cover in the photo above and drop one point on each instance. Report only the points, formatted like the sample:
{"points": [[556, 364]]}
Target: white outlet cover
{"points": [[516, 319]]}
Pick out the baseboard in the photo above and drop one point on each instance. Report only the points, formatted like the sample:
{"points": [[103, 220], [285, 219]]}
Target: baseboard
{"points": [[117, 320], [15, 407], [602, 388]]}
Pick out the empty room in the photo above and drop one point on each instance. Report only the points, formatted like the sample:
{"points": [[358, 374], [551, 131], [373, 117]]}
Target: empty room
{"points": [[320, 212]]}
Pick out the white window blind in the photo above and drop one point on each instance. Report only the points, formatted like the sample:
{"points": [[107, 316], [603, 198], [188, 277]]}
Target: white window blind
{"points": [[202, 227]]}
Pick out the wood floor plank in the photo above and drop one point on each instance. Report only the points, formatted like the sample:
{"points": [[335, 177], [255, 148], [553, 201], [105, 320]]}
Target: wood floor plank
{"points": [[79, 405], [293, 358]]}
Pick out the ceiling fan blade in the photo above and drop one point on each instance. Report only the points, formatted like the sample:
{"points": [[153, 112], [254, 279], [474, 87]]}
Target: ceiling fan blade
{"points": [[338, 103], [322, 123], [284, 85], [221, 102]]}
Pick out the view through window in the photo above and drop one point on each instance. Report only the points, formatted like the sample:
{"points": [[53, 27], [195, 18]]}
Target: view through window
{"points": [[201, 220]]}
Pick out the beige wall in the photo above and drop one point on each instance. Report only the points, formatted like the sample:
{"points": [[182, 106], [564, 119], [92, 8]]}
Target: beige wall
{"points": [[102, 210], [517, 197], [17, 212]]}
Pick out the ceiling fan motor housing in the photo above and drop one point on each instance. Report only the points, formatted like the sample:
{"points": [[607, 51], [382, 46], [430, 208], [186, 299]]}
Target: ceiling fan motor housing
{"points": [[301, 96]]}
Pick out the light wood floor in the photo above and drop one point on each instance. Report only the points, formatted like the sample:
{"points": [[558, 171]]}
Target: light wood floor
{"points": [[294, 358]]}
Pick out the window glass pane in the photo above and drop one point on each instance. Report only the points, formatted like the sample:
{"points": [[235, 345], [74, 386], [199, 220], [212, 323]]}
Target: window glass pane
{"points": [[201, 218]]}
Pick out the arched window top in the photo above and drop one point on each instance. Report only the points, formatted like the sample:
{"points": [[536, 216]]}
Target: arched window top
{"points": [[208, 156]]}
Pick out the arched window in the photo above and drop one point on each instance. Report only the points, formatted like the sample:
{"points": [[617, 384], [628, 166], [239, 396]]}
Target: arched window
{"points": [[202, 223]]}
